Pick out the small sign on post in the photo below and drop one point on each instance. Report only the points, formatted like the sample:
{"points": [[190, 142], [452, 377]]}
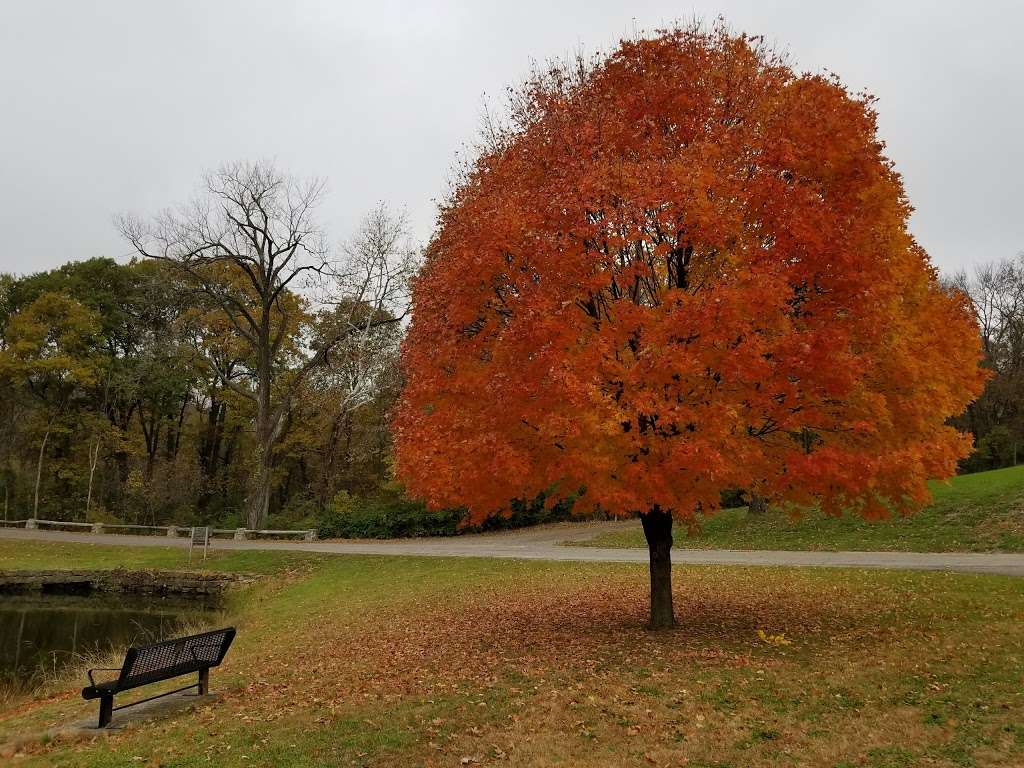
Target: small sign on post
{"points": [[200, 537]]}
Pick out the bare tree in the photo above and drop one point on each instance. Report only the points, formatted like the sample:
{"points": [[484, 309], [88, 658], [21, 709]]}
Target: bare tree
{"points": [[996, 291], [250, 243], [362, 322]]}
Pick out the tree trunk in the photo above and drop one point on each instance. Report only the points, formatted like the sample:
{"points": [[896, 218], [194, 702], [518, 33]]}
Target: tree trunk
{"points": [[268, 426], [174, 434], [39, 472], [347, 456], [258, 503], [327, 472], [122, 419], [152, 446], [758, 504], [94, 457], [658, 531]]}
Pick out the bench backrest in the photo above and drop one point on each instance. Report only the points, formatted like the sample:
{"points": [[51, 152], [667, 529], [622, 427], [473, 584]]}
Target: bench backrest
{"points": [[170, 658]]}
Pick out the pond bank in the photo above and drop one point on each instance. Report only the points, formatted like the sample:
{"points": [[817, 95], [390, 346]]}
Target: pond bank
{"points": [[145, 582]]}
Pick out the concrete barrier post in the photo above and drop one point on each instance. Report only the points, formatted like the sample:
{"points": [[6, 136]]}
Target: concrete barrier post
{"points": [[31, 524], [310, 536], [240, 534], [97, 527], [172, 531]]}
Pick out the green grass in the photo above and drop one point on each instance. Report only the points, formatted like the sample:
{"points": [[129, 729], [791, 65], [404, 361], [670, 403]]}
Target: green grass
{"points": [[375, 661], [982, 512], [46, 555]]}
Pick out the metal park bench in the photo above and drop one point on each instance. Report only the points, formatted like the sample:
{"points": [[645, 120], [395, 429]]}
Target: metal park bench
{"points": [[158, 662]]}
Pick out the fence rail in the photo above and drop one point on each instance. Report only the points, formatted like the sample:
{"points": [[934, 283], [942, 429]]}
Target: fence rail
{"points": [[171, 531]]}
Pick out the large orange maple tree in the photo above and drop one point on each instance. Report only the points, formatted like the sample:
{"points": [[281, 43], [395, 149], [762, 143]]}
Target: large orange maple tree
{"points": [[682, 268]]}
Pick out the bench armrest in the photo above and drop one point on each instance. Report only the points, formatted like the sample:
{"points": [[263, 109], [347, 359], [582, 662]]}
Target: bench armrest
{"points": [[100, 669]]}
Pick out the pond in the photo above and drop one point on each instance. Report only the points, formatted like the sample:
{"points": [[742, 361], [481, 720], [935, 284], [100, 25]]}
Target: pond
{"points": [[42, 634]]}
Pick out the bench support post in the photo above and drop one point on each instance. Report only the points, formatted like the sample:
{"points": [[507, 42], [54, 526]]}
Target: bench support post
{"points": [[204, 681], [106, 710]]}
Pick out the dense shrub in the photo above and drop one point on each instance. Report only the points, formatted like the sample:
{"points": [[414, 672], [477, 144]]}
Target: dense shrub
{"points": [[299, 512], [732, 498], [521, 514], [995, 450], [384, 517], [387, 516]]}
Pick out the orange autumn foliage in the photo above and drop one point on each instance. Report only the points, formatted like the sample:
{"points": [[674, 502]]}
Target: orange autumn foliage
{"points": [[683, 269]]}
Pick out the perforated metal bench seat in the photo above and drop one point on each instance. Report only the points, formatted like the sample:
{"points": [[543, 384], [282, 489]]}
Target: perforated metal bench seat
{"points": [[161, 661]]}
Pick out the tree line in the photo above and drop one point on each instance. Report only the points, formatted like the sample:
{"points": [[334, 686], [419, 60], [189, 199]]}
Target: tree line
{"points": [[240, 371], [996, 418], [238, 368]]}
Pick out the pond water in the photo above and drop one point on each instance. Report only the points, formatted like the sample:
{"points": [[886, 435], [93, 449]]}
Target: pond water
{"points": [[40, 635]]}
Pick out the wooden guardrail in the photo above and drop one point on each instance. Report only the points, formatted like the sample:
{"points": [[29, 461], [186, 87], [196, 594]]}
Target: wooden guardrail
{"points": [[171, 531]]}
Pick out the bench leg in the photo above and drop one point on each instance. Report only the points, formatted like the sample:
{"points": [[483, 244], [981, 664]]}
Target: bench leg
{"points": [[204, 681], [106, 710]]}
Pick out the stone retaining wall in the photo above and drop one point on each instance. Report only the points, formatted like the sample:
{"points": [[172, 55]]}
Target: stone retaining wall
{"points": [[120, 580]]}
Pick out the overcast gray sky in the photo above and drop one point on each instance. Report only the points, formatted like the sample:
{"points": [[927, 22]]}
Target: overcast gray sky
{"points": [[108, 107]]}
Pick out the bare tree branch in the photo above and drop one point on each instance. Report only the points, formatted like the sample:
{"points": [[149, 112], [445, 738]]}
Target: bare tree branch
{"points": [[252, 246]]}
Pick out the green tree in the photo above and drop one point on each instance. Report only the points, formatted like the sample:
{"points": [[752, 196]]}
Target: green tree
{"points": [[50, 353]]}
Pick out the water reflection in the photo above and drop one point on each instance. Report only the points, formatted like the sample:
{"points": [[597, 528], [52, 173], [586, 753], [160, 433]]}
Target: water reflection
{"points": [[42, 634]]}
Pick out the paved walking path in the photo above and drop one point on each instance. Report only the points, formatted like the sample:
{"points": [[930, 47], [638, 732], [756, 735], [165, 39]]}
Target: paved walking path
{"points": [[545, 543]]}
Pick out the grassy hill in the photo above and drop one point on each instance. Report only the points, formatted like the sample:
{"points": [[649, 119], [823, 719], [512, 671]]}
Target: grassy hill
{"points": [[982, 512], [380, 662]]}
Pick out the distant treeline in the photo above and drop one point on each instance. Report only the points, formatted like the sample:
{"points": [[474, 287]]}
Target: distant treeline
{"points": [[234, 374], [109, 410], [996, 419], [237, 372]]}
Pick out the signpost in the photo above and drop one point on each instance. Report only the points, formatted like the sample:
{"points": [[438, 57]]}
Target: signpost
{"points": [[200, 537]]}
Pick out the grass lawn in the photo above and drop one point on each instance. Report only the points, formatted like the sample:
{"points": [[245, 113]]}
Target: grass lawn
{"points": [[983, 512], [373, 661], [55, 555]]}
